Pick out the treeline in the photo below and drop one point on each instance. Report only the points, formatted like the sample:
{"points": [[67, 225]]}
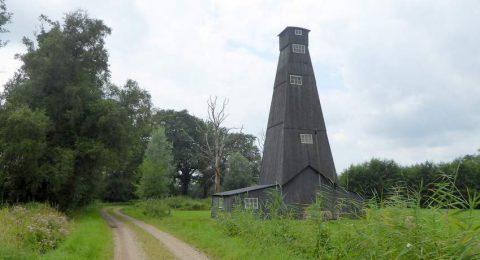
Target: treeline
{"points": [[379, 178], [68, 135]]}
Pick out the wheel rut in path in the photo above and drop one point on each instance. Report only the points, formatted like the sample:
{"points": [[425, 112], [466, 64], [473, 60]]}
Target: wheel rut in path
{"points": [[177, 247], [126, 246]]}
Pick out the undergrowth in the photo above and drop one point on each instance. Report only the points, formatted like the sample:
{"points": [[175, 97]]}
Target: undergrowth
{"points": [[162, 207], [398, 227], [34, 227]]}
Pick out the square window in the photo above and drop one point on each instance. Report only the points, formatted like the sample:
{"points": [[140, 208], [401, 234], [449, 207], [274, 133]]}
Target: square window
{"points": [[306, 139], [220, 203], [296, 80], [250, 203], [298, 32], [298, 48]]}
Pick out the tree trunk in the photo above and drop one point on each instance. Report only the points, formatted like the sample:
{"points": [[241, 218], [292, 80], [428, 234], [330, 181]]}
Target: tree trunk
{"points": [[185, 179]]}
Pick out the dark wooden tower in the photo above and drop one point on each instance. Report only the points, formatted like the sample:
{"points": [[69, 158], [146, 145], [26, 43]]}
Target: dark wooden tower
{"points": [[296, 139], [297, 158]]}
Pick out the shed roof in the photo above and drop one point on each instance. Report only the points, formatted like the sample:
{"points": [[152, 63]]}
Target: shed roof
{"points": [[243, 190]]}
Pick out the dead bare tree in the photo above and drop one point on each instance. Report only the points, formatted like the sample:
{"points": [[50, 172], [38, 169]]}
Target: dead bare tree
{"points": [[216, 144], [261, 141], [215, 137]]}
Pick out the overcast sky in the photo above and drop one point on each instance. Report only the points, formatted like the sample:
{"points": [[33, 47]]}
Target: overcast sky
{"points": [[396, 79]]}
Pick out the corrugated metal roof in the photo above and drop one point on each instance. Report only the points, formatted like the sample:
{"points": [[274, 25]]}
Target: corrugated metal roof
{"points": [[243, 190]]}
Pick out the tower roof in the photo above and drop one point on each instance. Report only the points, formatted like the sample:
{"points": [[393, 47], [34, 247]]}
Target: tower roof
{"points": [[292, 28]]}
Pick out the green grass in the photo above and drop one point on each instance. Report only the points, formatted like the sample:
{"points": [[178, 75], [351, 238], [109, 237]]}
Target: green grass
{"points": [[200, 230], [397, 228], [89, 238]]}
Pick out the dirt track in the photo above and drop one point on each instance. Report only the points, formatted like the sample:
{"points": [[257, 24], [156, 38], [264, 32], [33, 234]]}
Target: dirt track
{"points": [[127, 246]]}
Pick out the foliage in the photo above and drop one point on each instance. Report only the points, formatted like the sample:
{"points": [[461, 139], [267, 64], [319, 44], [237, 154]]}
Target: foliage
{"points": [[23, 147], [156, 167], [154, 208], [376, 177], [187, 203], [79, 136], [133, 126], [184, 131], [35, 227], [5, 17], [239, 172]]}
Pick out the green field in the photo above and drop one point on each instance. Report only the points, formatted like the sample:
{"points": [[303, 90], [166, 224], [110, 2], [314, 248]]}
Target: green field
{"points": [[382, 234]]}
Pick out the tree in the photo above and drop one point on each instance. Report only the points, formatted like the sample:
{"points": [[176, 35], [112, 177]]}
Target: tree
{"points": [[238, 172], [215, 138], [132, 106], [22, 150], [66, 76], [4, 19], [245, 145], [185, 132], [157, 167], [373, 178]]}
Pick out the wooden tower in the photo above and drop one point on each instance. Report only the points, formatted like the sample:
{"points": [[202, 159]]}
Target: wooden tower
{"points": [[296, 142]]}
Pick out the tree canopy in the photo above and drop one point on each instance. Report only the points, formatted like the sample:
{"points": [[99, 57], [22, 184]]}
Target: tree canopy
{"points": [[5, 17], [82, 129]]}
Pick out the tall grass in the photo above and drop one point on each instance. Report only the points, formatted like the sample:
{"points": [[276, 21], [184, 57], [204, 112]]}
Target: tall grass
{"points": [[400, 226], [37, 231], [31, 228]]}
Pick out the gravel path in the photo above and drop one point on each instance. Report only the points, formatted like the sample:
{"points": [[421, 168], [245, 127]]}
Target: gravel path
{"points": [[125, 243], [179, 249]]}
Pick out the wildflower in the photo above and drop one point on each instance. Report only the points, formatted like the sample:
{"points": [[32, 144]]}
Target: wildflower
{"points": [[409, 245], [410, 222]]}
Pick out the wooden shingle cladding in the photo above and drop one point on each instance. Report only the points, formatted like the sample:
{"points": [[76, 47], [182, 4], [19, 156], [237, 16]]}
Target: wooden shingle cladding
{"points": [[295, 110]]}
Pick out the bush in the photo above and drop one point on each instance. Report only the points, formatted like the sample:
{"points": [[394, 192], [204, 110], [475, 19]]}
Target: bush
{"points": [[154, 208], [186, 203], [36, 227]]}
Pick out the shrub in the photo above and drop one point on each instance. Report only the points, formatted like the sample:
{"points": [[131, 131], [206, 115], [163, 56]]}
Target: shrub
{"points": [[34, 226], [154, 208], [186, 203]]}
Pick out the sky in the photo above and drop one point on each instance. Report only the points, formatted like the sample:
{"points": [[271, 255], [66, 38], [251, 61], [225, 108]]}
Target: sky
{"points": [[397, 79]]}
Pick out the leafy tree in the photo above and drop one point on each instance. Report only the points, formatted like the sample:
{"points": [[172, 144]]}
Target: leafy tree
{"points": [[66, 76], [238, 173], [4, 19], [156, 168], [22, 150], [245, 144], [185, 132], [132, 107], [373, 178]]}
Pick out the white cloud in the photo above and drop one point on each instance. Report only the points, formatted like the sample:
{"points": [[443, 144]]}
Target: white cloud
{"points": [[397, 79]]}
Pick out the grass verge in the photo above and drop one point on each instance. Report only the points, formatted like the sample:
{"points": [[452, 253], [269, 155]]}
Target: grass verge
{"points": [[88, 236], [91, 237]]}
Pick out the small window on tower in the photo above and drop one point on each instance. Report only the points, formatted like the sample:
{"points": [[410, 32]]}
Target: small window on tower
{"points": [[306, 139], [298, 48], [296, 80], [298, 32]]}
